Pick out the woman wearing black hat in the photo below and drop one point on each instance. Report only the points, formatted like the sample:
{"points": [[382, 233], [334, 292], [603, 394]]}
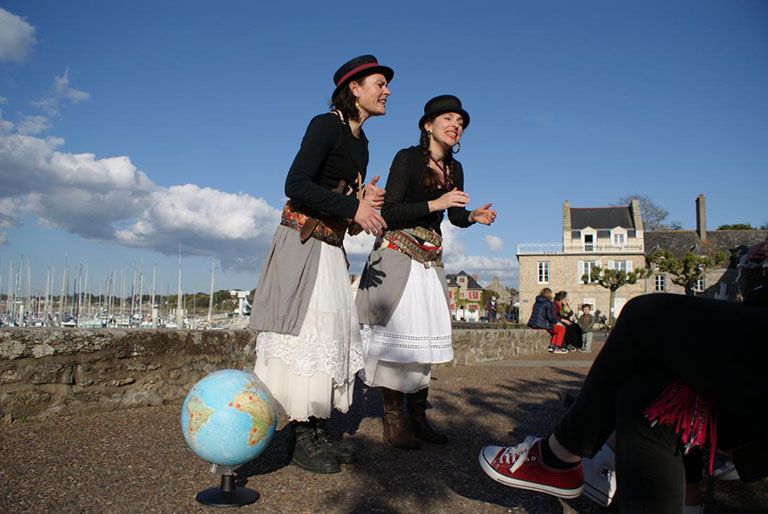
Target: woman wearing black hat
{"points": [[403, 301], [309, 348]]}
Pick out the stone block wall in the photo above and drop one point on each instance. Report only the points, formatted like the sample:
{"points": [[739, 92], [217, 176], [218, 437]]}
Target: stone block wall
{"points": [[47, 372], [67, 371]]}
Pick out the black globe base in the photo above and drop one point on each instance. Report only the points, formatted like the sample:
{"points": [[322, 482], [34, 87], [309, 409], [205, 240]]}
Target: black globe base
{"points": [[228, 495]]}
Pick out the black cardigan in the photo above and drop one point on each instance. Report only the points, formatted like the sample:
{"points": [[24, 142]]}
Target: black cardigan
{"points": [[329, 153], [405, 200]]}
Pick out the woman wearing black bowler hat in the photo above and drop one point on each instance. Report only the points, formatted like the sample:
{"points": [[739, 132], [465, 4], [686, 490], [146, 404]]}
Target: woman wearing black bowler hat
{"points": [[309, 349], [402, 301]]}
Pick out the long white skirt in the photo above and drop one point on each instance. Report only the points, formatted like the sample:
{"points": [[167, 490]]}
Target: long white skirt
{"points": [[313, 372], [400, 354]]}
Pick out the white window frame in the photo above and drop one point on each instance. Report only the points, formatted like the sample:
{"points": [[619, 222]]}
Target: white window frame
{"points": [[618, 238], [543, 272], [659, 283], [593, 245], [583, 267], [625, 265], [699, 286]]}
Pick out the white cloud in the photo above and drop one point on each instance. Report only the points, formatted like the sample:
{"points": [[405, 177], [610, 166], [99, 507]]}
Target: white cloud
{"points": [[17, 37], [33, 124], [451, 242], [494, 243], [61, 91], [486, 268], [109, 199], [236, 228], [361, 244]]}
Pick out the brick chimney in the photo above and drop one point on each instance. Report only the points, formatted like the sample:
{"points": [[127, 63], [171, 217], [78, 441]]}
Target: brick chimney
{"points": [[637, 216], [701, 218]]}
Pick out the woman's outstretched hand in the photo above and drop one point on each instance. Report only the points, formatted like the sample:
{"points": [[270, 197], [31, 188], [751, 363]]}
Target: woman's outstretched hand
{"points": [[373, 194], [484, 215]]}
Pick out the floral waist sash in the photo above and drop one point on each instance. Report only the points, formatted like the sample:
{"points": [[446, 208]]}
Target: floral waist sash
{"points": [[418, 243], [328, 230]]}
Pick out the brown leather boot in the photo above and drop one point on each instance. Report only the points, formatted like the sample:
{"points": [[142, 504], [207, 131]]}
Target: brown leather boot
{"points": [[397, 431], [417, 408]]}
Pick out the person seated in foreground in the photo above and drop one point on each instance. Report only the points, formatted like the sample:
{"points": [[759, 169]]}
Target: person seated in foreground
{"points": [[664, 390]]}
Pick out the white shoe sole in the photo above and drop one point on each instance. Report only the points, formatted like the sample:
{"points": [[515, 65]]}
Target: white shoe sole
{"points": [[521, 484], [597, 495]]}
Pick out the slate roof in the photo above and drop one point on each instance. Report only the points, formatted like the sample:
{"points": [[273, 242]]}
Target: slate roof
{"points": [[601, 217], [471, 282], [678, 242]]}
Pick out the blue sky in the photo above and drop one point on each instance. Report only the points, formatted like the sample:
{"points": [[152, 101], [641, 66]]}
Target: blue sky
{"points": [[128, 128]]}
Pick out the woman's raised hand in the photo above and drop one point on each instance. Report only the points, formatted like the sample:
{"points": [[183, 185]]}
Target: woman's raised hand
{"points": [[484, 214], [373, 194], [453, 198], [369, 219]]}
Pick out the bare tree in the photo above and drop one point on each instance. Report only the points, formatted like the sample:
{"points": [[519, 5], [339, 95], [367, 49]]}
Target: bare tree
{"points": [[654, 216]]}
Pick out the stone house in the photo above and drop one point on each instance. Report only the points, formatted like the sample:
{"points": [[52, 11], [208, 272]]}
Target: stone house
{"points": [[464, 296], [614, 237], [611, 237], [717, 282]]}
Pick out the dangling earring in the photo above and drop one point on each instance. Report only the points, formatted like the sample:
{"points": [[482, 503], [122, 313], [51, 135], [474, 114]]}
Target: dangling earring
{"points": [[457, 147], [357, 102]]}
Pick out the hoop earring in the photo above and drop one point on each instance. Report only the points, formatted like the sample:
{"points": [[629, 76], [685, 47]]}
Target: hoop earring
{"points": [[457, 147]]}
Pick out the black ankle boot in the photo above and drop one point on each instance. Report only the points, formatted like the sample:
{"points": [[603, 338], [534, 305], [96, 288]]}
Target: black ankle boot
{"points": [[417, 408], [343, 453], [307, 453]]}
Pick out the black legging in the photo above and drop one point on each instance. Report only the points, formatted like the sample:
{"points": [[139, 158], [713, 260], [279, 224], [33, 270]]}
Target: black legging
{"points": [[714, 346]]}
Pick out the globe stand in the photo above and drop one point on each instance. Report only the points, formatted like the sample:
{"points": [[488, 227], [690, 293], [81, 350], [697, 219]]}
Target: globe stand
{"points": [[228, 495]]}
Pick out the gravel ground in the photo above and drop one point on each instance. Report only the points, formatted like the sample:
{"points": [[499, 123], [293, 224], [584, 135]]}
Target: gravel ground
{"points": [[137, 461]]}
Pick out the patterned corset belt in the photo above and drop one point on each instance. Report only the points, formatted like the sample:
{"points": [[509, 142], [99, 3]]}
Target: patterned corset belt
{"points": [[328, 230], [418, 243]]}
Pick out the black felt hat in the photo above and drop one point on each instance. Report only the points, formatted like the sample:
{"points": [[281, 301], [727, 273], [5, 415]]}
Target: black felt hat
{"points": [[357, 68], [442, 104]]}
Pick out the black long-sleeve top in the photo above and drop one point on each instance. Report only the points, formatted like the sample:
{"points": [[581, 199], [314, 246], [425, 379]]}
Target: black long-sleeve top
{"points": [[405, 200], [329, 153]]}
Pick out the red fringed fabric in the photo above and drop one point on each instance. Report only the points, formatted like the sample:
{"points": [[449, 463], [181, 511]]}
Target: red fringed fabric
{"points": [[691, 415]]}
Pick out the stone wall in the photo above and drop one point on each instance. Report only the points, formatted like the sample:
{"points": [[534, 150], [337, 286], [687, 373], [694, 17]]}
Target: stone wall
{"points": [[47, 372]]}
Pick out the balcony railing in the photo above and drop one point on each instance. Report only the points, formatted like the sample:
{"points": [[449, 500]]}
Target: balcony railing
{"points": [[558, 248]]}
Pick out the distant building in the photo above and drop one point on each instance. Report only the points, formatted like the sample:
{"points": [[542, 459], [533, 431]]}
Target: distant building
{"points": [[611, 237], [614, 237], [464, 296], [718, 282]]}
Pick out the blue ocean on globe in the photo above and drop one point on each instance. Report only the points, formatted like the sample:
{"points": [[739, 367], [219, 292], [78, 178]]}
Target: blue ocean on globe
{"points": [[228, 417]]}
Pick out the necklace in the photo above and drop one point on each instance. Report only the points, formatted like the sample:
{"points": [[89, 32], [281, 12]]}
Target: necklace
{"points": [[439, 166]]}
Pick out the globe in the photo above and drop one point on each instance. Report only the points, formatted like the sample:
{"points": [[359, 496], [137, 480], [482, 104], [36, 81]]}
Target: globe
{"points": [[228, 417]]}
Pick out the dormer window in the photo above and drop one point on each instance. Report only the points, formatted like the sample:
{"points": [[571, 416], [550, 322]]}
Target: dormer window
{"points": [[619, 239]]}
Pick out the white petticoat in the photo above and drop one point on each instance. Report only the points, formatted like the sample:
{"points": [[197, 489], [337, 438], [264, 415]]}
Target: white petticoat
{"points": [[419, 330], [313, 372]]}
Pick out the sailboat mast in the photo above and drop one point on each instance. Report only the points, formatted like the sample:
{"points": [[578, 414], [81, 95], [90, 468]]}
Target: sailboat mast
{"points": [[210, 296], [179, 317]]}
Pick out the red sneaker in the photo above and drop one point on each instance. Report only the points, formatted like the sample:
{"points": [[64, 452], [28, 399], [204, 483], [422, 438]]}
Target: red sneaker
{"points": [[521, 466]]}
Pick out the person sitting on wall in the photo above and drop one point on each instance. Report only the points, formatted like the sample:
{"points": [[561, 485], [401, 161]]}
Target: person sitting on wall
{"points": [[543, 317]]}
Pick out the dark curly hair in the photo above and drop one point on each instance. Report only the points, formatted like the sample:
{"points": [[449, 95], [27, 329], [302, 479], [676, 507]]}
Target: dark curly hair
{"points": [[429, 179], [344, 101]]}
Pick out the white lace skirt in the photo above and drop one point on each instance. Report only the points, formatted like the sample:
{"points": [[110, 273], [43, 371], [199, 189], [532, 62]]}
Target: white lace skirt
{"points": [[313, 372], [399, 354]]}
